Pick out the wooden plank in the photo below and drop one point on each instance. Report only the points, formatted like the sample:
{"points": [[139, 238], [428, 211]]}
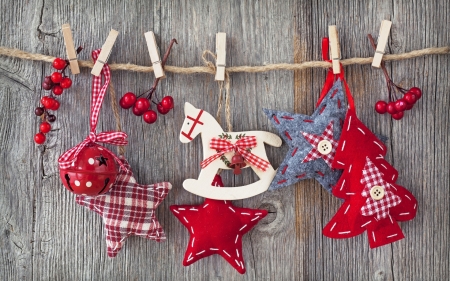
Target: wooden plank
{"points": [[46, 236]]}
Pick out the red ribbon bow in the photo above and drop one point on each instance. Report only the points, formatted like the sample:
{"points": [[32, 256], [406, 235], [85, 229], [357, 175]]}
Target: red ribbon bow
{"points": [[223, 146], [110, 137]]}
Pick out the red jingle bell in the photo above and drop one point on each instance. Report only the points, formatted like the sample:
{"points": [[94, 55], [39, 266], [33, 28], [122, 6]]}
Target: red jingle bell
{"points": [[92, 173], [237, 162]]}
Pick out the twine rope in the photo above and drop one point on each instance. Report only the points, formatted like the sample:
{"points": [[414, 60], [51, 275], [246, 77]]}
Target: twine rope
{"points": [[10, 52]]}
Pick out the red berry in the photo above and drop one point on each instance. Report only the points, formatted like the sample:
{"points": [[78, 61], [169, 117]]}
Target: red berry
{"points": [[59, 63], [398, 116], [39, 111], [167, 102], [56, 105], [400, 105], [56, 77], [137, 112], [416, 91], [150, 116], [391, 108], [142, 104], [57, 90], [409, 106], [128, 100], [47, 102], [46, 86], [410, 98], [39, 138], [45, 127], [161, 109], [380, 107], [66, 83]]}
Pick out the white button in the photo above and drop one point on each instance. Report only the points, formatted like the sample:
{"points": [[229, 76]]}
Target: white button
{"points": [[324, 147], [377, 192], [77, 183], [91, 161], [88, 184]]}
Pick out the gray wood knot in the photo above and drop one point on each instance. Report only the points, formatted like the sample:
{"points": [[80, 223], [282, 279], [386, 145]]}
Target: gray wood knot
{"points": [[274, 217]]}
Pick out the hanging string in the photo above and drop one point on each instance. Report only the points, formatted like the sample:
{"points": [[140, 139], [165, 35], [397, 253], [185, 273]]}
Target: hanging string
{"points": [[115, 109], [223, 85]]}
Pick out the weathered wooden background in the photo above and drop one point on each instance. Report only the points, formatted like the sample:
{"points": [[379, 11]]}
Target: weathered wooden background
{"points": [[45, 235]]}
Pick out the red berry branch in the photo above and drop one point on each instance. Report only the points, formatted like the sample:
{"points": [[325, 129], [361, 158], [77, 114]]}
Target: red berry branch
{"points": [[56, 82], [396, 106], [142, 104]]}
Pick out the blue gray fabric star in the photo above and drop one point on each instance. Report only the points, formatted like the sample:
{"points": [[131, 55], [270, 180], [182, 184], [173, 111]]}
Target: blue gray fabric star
{"points": [[291, 126]]}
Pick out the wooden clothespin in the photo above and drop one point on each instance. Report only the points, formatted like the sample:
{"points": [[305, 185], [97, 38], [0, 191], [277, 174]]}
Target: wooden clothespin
{"points": [[382, 42], [221, 51], [154, 54], [335, 48], [105, 52], [70, 49]]}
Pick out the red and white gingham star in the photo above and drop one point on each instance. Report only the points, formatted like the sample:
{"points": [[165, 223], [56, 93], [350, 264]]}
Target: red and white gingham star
{"points": [[371, 177], [314, 141], [128, 209]]}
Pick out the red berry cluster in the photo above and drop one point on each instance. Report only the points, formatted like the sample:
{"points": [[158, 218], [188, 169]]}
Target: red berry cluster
{"points": [[56, 82], [142, 106], [397, 107]]}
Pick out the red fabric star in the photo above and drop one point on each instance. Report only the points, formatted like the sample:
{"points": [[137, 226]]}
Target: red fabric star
{"points": [[314, 141], [128, 209], [216, 227]]}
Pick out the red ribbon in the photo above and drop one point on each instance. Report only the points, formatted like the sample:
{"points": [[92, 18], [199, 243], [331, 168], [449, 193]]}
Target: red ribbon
{"points": [[241, 146], [110, 137]]}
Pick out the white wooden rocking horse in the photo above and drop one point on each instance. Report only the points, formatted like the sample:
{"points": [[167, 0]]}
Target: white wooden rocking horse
{"points": [[201, 122]]}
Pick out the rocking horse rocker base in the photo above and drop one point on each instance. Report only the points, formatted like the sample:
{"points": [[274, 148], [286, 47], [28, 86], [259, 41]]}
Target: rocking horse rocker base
{"points": [[219, 146]]}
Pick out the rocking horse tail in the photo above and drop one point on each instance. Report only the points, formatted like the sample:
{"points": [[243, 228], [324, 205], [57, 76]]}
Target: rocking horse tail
{"points": [[271, 139]]}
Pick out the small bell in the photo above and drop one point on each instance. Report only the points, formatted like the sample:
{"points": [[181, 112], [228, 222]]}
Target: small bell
{"points": [[237, 162]]}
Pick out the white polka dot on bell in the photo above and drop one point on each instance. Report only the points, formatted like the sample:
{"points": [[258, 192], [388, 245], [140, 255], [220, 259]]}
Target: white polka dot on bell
{"points": [[91, 161], [77, 183], [88, 184]]}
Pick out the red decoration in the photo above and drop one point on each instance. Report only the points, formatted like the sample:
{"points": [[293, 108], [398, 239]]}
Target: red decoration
{"points": [[93, 172], [129, 209], [361, 155], [76, 167], [216, 227]]}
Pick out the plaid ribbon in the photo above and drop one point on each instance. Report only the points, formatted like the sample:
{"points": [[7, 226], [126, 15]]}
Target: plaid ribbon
{"points": [[371, 177], [314, 141], [110, 137], [223, 146]]}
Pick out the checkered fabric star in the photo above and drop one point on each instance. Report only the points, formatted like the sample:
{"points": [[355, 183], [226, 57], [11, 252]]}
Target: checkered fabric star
{"points": [[315, 141], [301, 131], [128, 209], [372, 177]]}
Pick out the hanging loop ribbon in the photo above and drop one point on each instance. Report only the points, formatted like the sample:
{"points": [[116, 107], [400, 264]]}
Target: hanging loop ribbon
{"points": [[331, 77], [241, 146], [110, 137]]}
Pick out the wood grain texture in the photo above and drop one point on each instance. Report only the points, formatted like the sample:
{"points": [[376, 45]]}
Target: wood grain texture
{"points": [[44, 235]]}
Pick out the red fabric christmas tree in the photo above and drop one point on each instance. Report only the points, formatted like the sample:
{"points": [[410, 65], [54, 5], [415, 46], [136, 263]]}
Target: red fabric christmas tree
{"points": [[373, 201]]}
